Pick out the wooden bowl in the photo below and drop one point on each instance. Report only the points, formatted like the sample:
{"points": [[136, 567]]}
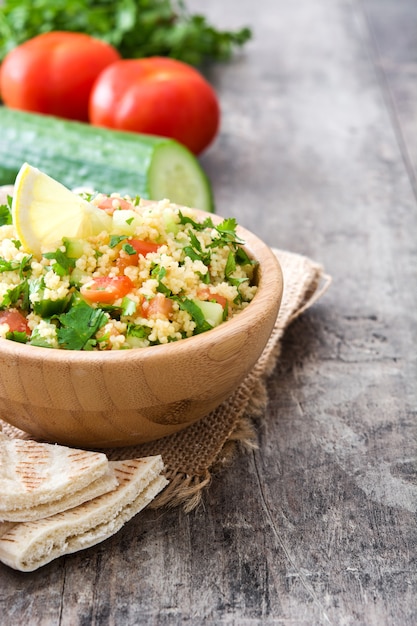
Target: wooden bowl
{"points": [[121, 398]]}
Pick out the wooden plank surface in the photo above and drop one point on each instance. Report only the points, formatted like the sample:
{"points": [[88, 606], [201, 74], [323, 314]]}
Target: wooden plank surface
{"points": [[395, 57], [318, 524]]}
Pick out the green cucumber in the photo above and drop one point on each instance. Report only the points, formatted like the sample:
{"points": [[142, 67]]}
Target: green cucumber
{"points": [[212, 311], [74, 247], [77, 276], [81, 155], [171, 225], [125, 221]]}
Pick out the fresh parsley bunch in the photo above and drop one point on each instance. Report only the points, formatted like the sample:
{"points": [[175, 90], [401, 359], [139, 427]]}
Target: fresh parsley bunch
{"points": [[137, 28]]}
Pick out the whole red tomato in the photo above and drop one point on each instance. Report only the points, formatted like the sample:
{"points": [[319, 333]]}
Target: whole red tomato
{"points": [[53, 73], [157, 96]]}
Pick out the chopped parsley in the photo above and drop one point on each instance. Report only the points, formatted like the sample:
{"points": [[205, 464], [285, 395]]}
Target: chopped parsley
{"points": [[128, 248], [116, 239], [201, 324], [22, 266], [140, 332], [128, 306], [6, 212], [37, 340], [16, 335], [63, 263], [79, 325], [159, 273], [184, 219], [18, 293], [196, 252]]}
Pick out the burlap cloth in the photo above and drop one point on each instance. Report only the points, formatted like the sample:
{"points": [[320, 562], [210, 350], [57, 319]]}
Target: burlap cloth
{"points": [[192, 455]]}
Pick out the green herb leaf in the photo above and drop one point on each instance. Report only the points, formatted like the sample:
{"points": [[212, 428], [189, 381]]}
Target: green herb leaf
{"points": [[11, 266], [116, 239], [79, 326], [128, 248], [128, 306], [242, 257], [196, 314], [6, 212], [13, 295], [226, 311], [63, 263], [141, 332], [37, 340], [208, 222], [230, 264], [196, 252], [159, 273], [15, 335], [228, 227], [237, 281], [234, 281]]}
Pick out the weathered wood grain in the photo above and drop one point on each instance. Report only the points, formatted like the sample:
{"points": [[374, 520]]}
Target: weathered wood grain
{"points": [[395, 59], [318, 524]]}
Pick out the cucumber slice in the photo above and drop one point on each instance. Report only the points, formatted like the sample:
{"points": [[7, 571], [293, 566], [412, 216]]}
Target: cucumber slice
{"points": [[174, 173]]}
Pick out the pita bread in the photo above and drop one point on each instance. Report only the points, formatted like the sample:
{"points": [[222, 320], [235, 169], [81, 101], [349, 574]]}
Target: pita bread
{"points": [[105, 483], [29, 545], [33, 474]]}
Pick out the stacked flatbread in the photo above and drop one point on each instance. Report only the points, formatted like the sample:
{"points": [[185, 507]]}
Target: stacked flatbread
{"points": [[56, 500]]}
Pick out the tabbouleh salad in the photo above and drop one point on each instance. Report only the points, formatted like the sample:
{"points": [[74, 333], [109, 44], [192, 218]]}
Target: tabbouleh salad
{"points": [[158, 275]]}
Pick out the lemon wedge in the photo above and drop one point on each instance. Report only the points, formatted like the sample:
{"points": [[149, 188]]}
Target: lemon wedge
{"points": [[44, 211]]}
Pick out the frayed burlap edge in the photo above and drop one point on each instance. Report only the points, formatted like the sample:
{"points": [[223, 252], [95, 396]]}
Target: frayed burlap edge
{"points": [[192, 456]]}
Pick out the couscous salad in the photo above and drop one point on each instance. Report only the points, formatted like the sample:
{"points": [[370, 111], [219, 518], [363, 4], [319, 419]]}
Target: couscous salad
{"points": [[155, 275]]}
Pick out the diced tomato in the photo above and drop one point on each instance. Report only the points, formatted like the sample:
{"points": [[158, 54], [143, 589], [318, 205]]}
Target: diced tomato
{"points": [[159, 305], [106, 289], [113, 204], [205, 294], [142, 249], [15, 321]]}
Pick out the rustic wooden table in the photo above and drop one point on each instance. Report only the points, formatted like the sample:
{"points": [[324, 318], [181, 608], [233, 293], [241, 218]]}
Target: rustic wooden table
{"points": [[317, 155]]}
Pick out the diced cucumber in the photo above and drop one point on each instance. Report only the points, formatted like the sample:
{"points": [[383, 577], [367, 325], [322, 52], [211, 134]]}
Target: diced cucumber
{"points": [[74, 247], [171, 226], [125, 221], [212, 311], [77, 276], [81, 155], [135, 342]]}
